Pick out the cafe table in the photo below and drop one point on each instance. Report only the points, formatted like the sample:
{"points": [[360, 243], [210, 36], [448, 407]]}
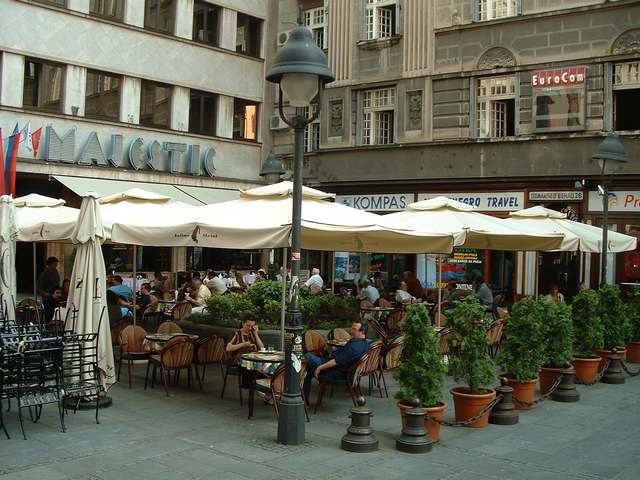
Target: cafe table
{"points": [[377, 318], [155, 342], [265, 362]]}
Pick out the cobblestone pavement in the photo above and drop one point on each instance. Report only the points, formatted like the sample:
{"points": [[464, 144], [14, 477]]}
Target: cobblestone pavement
{"points": [[193, 435]]}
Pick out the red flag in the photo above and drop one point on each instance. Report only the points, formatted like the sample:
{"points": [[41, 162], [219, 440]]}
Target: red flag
{"points": [[3, 190], [35, 140]]}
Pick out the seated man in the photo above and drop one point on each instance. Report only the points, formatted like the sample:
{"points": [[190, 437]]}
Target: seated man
{"points": [[121, 290], [201, 294], [52, 302], [342, 358], [402, 296], [368, 292]]}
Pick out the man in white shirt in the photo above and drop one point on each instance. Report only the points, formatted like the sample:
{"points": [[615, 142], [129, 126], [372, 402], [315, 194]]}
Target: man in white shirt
{"points": [[402, 296], [368, 292], [315, 280], [201, 293], [217, 286]]}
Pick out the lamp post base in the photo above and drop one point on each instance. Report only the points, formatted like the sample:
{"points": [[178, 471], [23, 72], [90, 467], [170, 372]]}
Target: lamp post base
{"points": [[291, 427]]}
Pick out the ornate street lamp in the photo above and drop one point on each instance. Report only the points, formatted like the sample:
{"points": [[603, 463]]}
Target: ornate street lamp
{"points": [[609, 153], [300, 70], [272, 169]]}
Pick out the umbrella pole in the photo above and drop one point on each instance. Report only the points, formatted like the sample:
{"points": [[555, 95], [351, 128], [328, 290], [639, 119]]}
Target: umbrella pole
{"points": [[283, 309], [333, 272], [439, 288], [135, 283], [35, 275], [536, 272]]}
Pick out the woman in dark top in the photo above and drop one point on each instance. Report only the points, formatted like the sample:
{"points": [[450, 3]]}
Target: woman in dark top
{"points": [[246, 339]]}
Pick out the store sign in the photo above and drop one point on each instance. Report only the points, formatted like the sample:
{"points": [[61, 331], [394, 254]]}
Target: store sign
{"points": [[619, 201], [560, 77], [376, 203], [486, 201], [172, 157], [567, 196]]}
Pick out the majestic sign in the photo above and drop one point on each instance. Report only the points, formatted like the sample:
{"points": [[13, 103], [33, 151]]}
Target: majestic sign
{"points": [[486, 201], [619, 201], [567, 196], [377, 203], [560, 77], [172, 157]]}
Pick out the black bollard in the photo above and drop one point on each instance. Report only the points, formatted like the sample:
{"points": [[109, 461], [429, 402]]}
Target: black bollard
{"points": [[614, 374], [504, 412], [414, 438], [566, 391], [360, 437]]}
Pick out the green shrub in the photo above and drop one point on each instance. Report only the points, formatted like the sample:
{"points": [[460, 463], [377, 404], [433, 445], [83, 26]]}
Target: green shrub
{"points": [[558, 333], [633, 314], [421, 369], [231, 309], [522, 352], [614, 319], [197, 318], [469, 361], [587, 326]]}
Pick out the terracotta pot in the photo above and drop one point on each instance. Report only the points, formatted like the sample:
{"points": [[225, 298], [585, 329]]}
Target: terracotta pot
{"points": [[586, 368], [548, 376], [604, 356], [633, 352], [432, 427], [525, 391], [468, 405]]}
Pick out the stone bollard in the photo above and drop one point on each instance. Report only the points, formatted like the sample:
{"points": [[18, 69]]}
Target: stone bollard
{"points": [[504, 412], [566, 391], [614, 374], [360, 437], [414, 438]]}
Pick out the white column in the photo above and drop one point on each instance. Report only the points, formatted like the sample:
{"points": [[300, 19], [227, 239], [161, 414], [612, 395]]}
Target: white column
{"points": [[224, 120], [81, 6], [180, 109], [184, 19], [228, 25], [11, 79], [130, 99], [134, 12], [74, 88], [531, 274]]}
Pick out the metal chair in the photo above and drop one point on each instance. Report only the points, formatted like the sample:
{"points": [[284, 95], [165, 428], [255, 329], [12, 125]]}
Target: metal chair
{"points": [[209, 350], [131, 340], [495, 337], [274, 385], [233, 368], [390, 360]]}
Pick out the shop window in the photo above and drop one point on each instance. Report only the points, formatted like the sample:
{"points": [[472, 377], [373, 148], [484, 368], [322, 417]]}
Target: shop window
{"points": [[382, 19], [378, 116], [316, 20], [493, 9], [155, 104], [559, 99], [245, 119], [496, 107], [220, 259], [43, 86], [626, 96], [112, 9], [248, 35], [102, 95], [202, 113], [311, 131], [631, 260], [205, 23], [160, 15], [60, 3]]}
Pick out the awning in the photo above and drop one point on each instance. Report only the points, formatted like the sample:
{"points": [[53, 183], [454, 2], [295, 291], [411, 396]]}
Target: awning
{"points": [[187, 194]]}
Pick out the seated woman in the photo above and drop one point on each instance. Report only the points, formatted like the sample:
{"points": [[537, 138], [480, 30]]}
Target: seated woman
{"points": [[245, 340], [555, 296]]}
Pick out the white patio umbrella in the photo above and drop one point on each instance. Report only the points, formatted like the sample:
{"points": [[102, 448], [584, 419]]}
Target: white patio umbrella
{"points": [[42, 219], [88, 289], [577, 236], [8, 234]]}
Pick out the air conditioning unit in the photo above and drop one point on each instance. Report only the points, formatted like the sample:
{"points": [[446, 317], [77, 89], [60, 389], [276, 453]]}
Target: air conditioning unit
{"points": [[276, 123], [283, 37]]}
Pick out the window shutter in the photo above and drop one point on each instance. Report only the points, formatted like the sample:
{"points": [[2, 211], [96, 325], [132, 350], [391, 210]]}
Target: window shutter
{"points": [[474, 10], [361, 19], [399, 19], [516, 108], [473, 108], [325, 36], [608, 96], [518, 7]]}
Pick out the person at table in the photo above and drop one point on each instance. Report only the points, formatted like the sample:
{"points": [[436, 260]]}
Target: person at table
{"points": [[413, 284], [245, 340], [332, 369], [198, 299], [378, 282], [49, 279], [215, 284], [51, 302], [121, 290], [261, 275], [402, 295], [146, 302], [232, 279], [368, 292], [482, 292], [159, 281], [315, 281], [555, 296]]}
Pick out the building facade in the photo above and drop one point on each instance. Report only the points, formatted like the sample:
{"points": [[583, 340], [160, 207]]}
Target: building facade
{"points": [[498, 103], [166, 95]]}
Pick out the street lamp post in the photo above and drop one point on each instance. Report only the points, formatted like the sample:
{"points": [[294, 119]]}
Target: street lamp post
{"points": [[300, 70], [608, 152]]}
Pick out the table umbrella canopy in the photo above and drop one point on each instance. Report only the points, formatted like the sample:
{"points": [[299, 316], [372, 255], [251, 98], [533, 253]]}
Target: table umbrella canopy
{"points": [[261, 218], [471, 228], [8, 235], [577, 236], [41, 219]]}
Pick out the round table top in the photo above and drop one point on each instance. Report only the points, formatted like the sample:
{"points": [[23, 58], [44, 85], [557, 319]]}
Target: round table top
{"points": [[168, 336], [263, 357], [379, 309]]}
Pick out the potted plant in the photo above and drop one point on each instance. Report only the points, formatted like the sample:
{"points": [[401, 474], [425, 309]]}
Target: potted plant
{"points": [[558, 342], [522, 350], [614, 321], [421, 368], [469, 361], [588, 335], [633, 316]]}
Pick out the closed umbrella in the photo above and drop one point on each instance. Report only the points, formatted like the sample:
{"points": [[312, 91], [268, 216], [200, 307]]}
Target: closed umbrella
{"points": [[8, 234], [577, 236], [88, 287]]}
